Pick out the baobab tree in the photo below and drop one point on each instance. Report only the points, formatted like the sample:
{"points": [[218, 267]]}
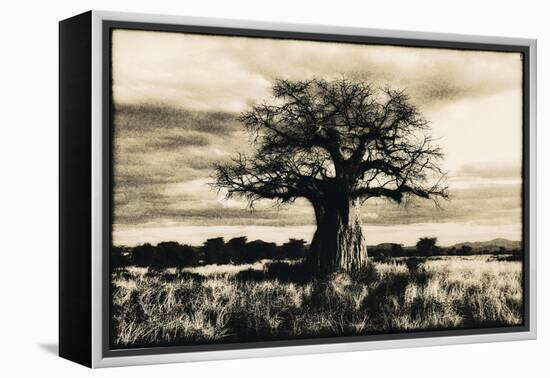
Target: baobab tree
{"points": [[337, 144]]}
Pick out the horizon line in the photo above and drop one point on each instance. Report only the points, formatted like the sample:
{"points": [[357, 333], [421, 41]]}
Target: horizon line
{"points": [[308, 243]]}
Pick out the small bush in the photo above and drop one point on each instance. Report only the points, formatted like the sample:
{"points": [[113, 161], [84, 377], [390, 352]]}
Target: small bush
{"points": [[284, 272], [414, 263], [250, 275]]}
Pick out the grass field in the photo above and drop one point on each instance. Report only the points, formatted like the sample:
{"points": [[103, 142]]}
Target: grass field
{"points": [[277, 300]]}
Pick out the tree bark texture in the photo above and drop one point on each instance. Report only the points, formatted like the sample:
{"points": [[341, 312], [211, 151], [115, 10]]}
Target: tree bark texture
{"points": [[338, 243]]}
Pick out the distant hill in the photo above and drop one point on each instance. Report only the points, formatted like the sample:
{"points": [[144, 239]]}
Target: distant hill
{"points": [[382, 246], [491, 244], [494, 244]]}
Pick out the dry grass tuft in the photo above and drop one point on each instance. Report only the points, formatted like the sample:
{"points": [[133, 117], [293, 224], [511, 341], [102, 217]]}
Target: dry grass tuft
{"points": [[265, 301]]}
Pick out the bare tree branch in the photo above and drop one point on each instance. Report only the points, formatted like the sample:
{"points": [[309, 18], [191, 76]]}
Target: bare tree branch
{"points": [[321, 138]]}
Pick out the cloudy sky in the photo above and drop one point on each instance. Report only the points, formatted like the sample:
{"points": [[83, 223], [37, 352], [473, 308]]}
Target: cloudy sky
{"points": [[177, 97]]}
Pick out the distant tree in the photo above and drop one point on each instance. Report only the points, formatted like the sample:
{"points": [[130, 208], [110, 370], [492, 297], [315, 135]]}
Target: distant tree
{"points": [[376, 251], [396, 249], [295, 248], [189, 255], [257, 250], [142, 255], [173, 254], [336, 144], [236, 249], [466, 250], [215, 251], [426, 246], [167, 254]]}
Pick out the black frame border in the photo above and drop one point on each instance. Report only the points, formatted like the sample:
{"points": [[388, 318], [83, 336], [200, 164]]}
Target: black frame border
{"points": [[75, 189], [106, 76]]}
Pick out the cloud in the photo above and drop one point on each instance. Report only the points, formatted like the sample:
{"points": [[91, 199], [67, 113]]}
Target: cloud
{"points": [[166, 142], [229, 73], [138, 119], [180, 70], [169, 142], [479, 130]]}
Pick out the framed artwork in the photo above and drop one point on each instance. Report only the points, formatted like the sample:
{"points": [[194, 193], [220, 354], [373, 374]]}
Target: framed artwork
{"points": [[232, 189]]}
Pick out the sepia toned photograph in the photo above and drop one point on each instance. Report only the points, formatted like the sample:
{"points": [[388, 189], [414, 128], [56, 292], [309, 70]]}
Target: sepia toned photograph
{"points": [[270, 189]]}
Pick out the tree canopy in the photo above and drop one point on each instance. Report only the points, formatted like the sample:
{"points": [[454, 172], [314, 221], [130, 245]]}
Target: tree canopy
{"points": [[317, 137]]}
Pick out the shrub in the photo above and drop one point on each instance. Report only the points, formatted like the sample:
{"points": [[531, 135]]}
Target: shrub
{"points": [[250, 275], [284, 272]]}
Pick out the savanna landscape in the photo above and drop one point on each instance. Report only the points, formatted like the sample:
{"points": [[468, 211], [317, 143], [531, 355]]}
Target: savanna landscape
{"points": [[273, 299], [272, 189]]}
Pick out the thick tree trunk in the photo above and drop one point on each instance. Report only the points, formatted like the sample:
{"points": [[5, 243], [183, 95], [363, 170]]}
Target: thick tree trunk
{"points": [[338, 243]]}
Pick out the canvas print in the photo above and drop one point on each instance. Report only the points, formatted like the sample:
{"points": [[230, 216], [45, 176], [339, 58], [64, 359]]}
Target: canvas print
{"points": [[283, 189]]}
